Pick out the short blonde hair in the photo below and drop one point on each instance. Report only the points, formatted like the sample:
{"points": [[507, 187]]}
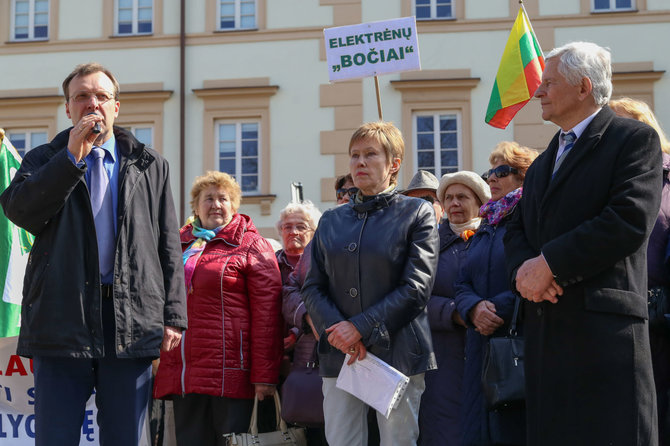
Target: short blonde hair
{"points": [[515, 155], [629, 107], [310, 213], [221, 180], [386, 135]]}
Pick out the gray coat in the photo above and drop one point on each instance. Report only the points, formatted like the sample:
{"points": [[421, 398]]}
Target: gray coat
{"points": [[61, 313], [374, 264]]}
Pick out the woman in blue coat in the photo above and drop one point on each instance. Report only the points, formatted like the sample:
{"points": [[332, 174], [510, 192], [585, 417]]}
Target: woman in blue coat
{"points": [[461, 194], [485, 301]]}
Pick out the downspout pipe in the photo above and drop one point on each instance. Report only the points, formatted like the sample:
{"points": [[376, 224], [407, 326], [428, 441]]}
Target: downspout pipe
{"points": [[182, 109]]}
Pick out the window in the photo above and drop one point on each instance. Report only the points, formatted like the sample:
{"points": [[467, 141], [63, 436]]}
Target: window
{"points": [[437, 142], [238, 144], [613, 5], [145, 135], [236, 14], [30, 20], [24, 140], [433, 9], [133, 17]]}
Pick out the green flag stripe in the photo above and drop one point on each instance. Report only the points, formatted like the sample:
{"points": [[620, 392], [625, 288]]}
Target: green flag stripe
{"points": [[527, 49], [495, 103]]}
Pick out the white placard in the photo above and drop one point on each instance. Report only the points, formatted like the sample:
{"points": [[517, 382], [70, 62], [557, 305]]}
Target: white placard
{"points": [[17, 399], [372, 48]]}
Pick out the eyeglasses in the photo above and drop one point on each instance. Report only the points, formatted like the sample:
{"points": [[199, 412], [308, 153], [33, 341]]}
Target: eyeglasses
{"points": [[500, 172], [299, 228], [349, 191], [84, 97]]}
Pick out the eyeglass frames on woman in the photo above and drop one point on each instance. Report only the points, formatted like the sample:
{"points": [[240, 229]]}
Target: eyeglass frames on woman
{"points": [[500, 172], [349, 191], [84, 97], [299, 228]]}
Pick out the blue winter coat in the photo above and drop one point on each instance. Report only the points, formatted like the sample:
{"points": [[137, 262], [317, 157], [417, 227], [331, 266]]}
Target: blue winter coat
{"points": [[440, 412], [483, 275]]}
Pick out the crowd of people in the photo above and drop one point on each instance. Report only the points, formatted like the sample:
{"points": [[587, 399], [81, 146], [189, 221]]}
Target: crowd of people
{"points": [[575, 239]]}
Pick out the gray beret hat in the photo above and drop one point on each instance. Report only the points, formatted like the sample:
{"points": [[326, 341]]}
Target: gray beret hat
{"points": [[466, 178]]}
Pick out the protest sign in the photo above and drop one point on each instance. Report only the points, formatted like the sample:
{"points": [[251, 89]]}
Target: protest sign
{"points": [[373, 48]]}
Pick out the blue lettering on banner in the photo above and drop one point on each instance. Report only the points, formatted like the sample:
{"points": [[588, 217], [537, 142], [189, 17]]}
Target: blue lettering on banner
{"points": [[87, 427], [16, 422]]}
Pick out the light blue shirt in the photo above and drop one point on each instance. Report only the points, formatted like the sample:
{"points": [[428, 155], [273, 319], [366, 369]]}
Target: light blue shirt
{"points": [[111, 164]]}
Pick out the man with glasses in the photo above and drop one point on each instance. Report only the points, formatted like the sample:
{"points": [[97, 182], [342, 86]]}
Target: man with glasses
{"points": [[104, 288], [576, 251], [424, 185]]}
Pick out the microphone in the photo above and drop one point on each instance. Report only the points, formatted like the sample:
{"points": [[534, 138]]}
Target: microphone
{"points": [[96, 127]]}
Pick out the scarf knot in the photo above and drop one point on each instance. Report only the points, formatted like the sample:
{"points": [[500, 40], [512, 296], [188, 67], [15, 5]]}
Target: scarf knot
{"points": [[192, 254]]}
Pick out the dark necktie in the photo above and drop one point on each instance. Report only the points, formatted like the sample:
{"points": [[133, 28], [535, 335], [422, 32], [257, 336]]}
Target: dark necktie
{"points": [[103, 211], [569, 139]]}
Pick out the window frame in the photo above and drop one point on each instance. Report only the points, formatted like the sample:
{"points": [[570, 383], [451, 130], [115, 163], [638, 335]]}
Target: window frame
{"points": [[437, 159], [31, 22], [238, 17], [135, 20], [238, 151], [132, 128], [612, 7], [433, 11], [28, 132]]}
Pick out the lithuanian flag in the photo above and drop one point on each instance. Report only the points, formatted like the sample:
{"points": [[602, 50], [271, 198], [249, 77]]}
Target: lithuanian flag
{"points": [[519, 73]]}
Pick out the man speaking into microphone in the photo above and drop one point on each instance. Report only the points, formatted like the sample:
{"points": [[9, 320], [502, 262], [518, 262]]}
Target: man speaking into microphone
{"points": [[104, 285]]}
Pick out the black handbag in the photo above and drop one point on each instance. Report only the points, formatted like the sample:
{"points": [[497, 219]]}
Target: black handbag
{"points": [[503, 379], [302, 395]]}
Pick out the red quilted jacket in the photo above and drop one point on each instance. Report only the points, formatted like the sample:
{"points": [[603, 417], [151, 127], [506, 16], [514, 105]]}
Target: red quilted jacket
{"points": [[234, 334]]}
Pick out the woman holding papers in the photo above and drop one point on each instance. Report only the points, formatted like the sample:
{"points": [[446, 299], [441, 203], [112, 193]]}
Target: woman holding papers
{"points": [[461, 194], [485, 301], [373, 265]]}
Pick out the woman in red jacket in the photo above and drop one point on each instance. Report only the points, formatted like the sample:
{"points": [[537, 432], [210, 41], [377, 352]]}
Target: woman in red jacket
{"points": [[233, 345]]}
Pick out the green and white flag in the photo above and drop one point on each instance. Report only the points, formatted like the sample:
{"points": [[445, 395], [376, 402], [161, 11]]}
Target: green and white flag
{"points": [[15, 243]]}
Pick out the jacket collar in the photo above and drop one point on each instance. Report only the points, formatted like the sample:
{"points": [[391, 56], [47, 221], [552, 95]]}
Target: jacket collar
{"points": [[586, 143], [447, 236], [377, 202], [231, 234]]}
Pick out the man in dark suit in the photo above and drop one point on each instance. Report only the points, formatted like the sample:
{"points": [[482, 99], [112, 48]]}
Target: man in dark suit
{"points": [[576, 251]]}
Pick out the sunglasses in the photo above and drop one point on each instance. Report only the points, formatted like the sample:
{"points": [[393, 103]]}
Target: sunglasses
{"points": [[349, 191], [500, 172]]}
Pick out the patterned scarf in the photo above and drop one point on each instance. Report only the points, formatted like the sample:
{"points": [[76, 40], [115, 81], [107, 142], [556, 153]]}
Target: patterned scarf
{"points": [[194, 251], [494, 211]]}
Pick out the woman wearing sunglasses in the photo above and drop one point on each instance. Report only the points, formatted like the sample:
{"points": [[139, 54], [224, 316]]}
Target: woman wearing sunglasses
{"points": [[484, 298]]}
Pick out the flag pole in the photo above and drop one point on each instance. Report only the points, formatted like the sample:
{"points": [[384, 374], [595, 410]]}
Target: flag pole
{"points": [[379, 99]]}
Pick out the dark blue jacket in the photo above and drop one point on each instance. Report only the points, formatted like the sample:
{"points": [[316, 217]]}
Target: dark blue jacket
{"points": [[440, 412], [483, 275]]}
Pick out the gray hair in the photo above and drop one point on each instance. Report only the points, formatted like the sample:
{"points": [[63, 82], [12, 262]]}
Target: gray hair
{"points": [[586, 59], [311, 213]]}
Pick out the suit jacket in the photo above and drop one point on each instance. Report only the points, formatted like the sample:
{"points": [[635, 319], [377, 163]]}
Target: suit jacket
{"points": [[588, 366]]}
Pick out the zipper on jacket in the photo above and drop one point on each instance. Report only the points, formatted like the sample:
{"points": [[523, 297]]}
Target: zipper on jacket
{"points": [[183, 363], [241, 351]]}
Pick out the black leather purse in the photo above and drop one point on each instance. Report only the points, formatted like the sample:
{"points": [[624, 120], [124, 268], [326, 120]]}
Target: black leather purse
{"points": [[503, 378]]}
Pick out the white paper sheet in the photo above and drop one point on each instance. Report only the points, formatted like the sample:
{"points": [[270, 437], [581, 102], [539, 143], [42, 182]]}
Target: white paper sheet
{"points": [[374, 382]]}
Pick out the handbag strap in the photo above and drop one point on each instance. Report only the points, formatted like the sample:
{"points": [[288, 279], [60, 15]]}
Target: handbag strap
{"points": [[515, 316], [281, 424]]}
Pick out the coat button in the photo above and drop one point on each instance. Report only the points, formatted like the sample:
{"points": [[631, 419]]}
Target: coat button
{"points": [[353, 292], [352, 247], [539, 311]]}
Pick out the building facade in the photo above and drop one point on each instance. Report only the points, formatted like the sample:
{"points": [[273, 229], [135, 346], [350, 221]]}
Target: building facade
{"points": [[242, 85]]}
